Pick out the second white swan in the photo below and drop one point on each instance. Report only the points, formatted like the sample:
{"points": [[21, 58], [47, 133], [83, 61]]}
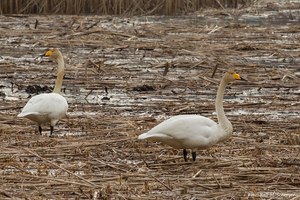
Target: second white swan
{"points": [[195, 131]]}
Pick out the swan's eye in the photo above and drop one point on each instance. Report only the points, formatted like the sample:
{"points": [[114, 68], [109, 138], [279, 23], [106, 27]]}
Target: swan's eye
{"points": [[236, 76]]}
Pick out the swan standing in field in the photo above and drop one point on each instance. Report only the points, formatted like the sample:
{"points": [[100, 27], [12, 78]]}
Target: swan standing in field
{"points": [[48, 108], [195, 131]]}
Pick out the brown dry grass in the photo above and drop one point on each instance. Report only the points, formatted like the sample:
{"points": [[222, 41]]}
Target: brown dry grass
{"points": [[114, 7], [95, 153]]}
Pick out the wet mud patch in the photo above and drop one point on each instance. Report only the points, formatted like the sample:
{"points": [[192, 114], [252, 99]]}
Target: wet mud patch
{"points": [[37, 89]]}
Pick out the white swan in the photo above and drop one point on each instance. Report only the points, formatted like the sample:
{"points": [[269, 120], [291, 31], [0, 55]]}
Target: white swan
{"points": [[48, 108], [195, 131]]}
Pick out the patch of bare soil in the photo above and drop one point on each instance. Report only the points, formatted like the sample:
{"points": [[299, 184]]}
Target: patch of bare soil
{"points": [[125, 75]]}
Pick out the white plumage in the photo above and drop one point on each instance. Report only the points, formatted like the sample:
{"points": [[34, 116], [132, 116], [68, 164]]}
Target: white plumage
{"points": [[48, 108], [194, 131], [171, 132], [45, 108]]}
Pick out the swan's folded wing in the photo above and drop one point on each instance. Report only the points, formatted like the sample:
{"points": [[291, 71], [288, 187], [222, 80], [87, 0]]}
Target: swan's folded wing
{"points": [[183, 126], [183, 131], [44, 104]]}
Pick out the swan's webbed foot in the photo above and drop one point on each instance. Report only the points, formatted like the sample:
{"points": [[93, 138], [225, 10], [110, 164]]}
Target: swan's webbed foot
{"points": [[40, 130], [194, 155], [185, 155]]}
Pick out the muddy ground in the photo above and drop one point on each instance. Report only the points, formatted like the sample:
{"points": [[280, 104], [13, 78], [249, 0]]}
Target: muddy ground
{"points": [[125, 75]]}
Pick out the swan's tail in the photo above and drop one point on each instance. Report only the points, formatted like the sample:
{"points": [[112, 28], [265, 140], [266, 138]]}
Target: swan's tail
{"points": [[27, 114], [21, 115], [143, 136]]}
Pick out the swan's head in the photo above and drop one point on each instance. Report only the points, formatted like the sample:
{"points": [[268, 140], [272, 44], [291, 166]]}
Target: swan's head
{"points": [[54, 54], [231, 76]]}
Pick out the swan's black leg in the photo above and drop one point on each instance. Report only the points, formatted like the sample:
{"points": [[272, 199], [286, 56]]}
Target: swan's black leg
{"points": [[51, 130], [40, 130], [194, 155], [185, 155]]}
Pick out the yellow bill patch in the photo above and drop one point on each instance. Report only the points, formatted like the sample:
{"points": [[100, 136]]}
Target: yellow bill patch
{"points": [[48, 53], [236, 76]]}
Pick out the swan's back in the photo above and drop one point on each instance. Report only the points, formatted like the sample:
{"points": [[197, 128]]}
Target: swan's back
{"points": [[185, 131], [45, 108]]}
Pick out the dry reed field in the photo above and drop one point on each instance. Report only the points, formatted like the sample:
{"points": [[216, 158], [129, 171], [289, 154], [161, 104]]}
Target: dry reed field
{"points": [[114, 7], [125, 75]]}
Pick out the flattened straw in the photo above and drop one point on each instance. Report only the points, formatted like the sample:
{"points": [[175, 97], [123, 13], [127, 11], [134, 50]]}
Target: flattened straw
{"points": [[170, 189], [2, 192], [48, 161], [206, 79], [296, 198], [197, 173], [205, 187], [109, 165], [218, 183], [56, 179]]}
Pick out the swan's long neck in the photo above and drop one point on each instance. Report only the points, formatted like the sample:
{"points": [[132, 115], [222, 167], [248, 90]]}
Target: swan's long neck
{"points": [[222, 119], [60, 75]]}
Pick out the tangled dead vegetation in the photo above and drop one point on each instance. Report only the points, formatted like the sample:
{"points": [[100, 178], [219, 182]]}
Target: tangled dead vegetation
{"points": [[115, 7], [123, 76]]}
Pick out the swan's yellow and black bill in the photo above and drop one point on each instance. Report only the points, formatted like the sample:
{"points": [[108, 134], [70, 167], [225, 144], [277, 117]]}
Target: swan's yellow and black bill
{"points": [[48, 53], [236, 76]]}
